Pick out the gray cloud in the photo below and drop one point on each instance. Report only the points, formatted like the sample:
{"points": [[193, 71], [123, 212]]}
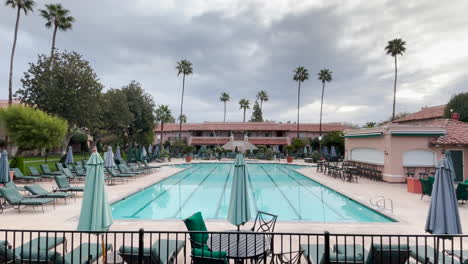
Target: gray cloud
{"points": [[245, 46]]}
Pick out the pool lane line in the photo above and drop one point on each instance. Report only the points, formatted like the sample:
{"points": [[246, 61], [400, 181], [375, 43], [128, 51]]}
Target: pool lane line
{"points": [[224, 192], [164, 192], [316, 196], [284, 195], [252, 190], [193, 192]]}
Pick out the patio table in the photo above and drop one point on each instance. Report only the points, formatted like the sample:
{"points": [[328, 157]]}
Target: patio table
{"points": [[241, 246]]}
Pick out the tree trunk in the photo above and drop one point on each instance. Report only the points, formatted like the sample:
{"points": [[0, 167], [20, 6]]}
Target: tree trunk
{"points": [[54, 35], [244, 114], [224, 120], [181, 106], [298, 101], [321, 106], [261, 105], [10, 80], [394, 89], [162, 133]]}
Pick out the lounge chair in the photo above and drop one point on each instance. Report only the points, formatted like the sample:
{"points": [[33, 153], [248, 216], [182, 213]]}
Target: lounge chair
{"points": [[462, 192], [11, 184], [461, 255], [38, 191], [148, 166], [161, 252], [46, 170], [35, 172], [21, 177], [427, 254], [115, 174], [80, 171], [16, 200], [70, 175], [426, 187], [124, 169], [28, 251], [79, 163], [64, 186]]}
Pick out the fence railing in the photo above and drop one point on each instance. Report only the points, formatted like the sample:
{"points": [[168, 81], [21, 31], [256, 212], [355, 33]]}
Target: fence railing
{"points": [[159, 247]]}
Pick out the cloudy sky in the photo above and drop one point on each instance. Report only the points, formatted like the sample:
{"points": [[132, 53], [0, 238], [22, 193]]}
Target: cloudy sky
{"points": [[243, 46]]}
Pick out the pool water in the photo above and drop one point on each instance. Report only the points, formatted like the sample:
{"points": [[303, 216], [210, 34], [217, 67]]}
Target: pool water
{"points": [[273, 188]]}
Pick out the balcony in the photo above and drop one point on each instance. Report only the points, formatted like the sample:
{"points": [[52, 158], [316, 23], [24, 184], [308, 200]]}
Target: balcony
{"points": [[208, 140], [269, 140]]}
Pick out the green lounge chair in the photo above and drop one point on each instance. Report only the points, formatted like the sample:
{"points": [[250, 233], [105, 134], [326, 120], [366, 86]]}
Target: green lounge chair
{"points": [[462, 192], [196, 223], [79, 163], [28, 251], [11, 184], [148, 166], [427, 255], [426, 187], [125, 170], [46, 170], [21, 177], [116, 174], [16, 200], [64, 186], [70, 175], [79, 171], [161, 252], [38, 191], [35, 172], [59, 166]]}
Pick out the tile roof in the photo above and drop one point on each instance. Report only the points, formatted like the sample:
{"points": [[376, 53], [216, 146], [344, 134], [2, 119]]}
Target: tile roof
{"points": [[268, 141], [457, 131], [253, 126], [425, 113]]}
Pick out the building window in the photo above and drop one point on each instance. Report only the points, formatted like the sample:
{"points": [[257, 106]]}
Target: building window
{"points": [[419, 158], [267, 134], [211, 134]]}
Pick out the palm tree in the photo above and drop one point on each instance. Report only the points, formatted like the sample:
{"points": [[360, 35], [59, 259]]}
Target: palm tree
{"points": [[163, 115], [59, 18], [224, 98], [395, 47], [300, 75], [25, 6], [183, 67], [262, 96], [325, 75], [244, 104], [182, 118]]}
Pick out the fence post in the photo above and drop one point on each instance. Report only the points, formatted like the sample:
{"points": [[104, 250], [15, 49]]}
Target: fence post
{"points": [[327, 247], [141, 233]]}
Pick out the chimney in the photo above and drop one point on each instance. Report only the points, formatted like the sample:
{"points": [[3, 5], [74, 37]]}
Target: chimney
{"points": [[455, 116]]}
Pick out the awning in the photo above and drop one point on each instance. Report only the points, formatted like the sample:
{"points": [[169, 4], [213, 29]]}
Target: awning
{"points": [[364, 135], [418, 133]]}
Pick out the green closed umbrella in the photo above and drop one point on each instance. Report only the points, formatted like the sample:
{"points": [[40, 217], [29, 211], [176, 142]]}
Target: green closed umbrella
{"points": [[239, 206], [96, 215]]}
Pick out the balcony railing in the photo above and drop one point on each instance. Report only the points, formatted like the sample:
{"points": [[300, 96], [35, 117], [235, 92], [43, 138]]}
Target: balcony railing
{"points": [[47, 246]]}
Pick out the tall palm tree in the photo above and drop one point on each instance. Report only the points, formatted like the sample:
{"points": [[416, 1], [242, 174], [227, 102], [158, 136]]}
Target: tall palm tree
{"points": [[224, 98], [163, 115], [244, 104], [59, 18], [395, 47], [182, 118], [301, 74], [325, 75], [262, 96], [19, 5], [183, 67]]}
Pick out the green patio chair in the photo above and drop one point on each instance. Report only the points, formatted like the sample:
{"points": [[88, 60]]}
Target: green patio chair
{"points": [[46, 170], [203, 256], [426, 187], [80, 171], [70, 175], [29, 251], [38, 191], [145, 162], [11, 184], [427, 254], [35, 172], [16, 200], [196, 223], [79, 163], [115, 175], [462, 192], [124, 169], [161, 252], [64, 186], [465, 181], [21, 177], [59, 166]]}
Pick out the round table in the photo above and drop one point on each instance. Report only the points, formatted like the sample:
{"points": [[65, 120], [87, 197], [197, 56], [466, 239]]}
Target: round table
{"points": [[240, 245]]}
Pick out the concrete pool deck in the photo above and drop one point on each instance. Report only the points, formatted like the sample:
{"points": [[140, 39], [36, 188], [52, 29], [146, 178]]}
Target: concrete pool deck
{"points": [[409, 210]]}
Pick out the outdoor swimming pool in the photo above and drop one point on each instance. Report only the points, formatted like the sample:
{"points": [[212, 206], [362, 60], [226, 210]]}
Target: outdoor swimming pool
{"points": [[273, 188]]}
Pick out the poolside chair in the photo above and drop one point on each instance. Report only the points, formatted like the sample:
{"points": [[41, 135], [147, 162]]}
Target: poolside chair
{"points": [[70, 175], [80, 171], [38, 191], [124, 169], [146, 164], [35, 172], [115, 175], [21, 177], [11, 184], [64, 186], [16, 200], [427, 255], [264, 222], [196, 223], [462, 192], [293, 257], [79, 163], [46, 170], [461, 255], [161, 252], [426, 187], [59, 166], [29, 251]]}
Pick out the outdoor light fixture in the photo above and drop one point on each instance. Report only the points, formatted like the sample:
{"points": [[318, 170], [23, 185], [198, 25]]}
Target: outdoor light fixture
{"points": [[320, 138]]}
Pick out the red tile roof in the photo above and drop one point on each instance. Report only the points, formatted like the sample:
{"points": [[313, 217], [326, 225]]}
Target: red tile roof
{"points": [[457, 131], [425, 113], [253, 126], [268, 141]]}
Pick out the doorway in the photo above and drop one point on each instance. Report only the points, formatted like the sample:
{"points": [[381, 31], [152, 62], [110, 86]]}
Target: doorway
{"points": [[457, 159]]}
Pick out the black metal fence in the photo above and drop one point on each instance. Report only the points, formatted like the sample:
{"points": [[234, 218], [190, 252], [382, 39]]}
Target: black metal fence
{"points": [[161, 247]]}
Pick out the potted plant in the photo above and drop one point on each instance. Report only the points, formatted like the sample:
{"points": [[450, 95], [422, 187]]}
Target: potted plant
{"points": [[289, 149], [188, 150]]}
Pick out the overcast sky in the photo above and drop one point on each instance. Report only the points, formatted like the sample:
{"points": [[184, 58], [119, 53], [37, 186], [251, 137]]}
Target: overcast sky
{"points": [[243, 46]]}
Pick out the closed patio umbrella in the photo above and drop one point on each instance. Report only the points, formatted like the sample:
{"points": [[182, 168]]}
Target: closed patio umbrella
{"points": [[109, 158], [69, 157], [131, 154], [443, 217], [143, 153], [333, 152], [325, 151], [239, 206], [95, 215], [305, 149], [4, 168], [150, 150], [118, 155]]}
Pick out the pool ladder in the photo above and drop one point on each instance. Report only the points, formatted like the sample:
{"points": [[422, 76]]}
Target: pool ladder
{"points": [[382, 203]]}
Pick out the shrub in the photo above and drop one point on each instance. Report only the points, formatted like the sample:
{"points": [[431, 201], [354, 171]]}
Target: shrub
{"points": [[315, 156], [18, 162]]}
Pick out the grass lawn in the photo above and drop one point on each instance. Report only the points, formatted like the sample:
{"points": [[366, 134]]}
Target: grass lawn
{"points": [[51, 160]]}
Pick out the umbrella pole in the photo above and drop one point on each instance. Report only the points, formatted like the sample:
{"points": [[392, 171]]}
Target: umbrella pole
{"points": [[104, 252]]}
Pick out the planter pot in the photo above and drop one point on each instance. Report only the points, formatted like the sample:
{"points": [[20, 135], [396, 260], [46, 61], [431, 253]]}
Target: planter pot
{"points": [[289, 159], [188, 158]]}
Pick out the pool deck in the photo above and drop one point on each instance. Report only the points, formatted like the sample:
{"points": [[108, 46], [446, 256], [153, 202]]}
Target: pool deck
{"points": [[409, 210]]}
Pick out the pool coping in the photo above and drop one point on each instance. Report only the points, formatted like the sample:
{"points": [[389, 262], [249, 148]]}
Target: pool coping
{"points": [[394, 219]]}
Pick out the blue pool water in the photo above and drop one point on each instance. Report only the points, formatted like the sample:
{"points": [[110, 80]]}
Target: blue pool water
{"points": [[274, 188]]}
